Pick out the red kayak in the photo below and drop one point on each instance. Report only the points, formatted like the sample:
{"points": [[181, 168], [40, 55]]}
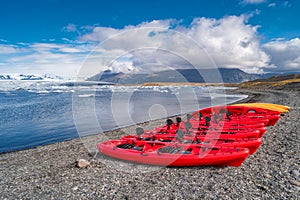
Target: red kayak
{"points": [[230, 130], [241, 122], [222, 127], [215, 134], [195, 125], [250, 143], [248, 120], [203, 130], [192, 125], [228, 126], [173, 154], [240, 111], [223, 134]]}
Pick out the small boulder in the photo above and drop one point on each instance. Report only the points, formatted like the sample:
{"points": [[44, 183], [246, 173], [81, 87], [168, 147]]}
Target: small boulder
{"points": [[82, 163], [295, 173], [294, 182]]}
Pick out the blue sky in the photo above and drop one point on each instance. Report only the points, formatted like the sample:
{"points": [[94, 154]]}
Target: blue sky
{"points": [[55, 36]]}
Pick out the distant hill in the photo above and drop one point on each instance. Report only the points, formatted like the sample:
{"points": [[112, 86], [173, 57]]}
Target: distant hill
{"points": [[279, 82], [278, 78], [180, 75]]}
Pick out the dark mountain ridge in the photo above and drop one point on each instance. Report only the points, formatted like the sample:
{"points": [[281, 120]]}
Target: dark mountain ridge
{"points": [[222, 75]]}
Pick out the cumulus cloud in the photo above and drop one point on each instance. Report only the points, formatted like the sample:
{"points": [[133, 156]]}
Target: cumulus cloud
{"points": [[229, 42], [284, 54], [99, 34]]}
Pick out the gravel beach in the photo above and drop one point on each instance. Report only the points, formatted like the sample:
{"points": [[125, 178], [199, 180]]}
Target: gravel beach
{"points": [[49, 172]]}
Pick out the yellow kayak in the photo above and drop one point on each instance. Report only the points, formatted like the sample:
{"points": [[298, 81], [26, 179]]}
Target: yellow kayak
{"points": [[270, 106]]}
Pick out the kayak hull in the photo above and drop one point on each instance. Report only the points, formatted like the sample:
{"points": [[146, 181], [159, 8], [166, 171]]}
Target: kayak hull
{"points": [[198, 155]]}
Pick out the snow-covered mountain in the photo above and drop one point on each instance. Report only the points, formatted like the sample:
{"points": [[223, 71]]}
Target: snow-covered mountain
{"points": [[31, 77]]}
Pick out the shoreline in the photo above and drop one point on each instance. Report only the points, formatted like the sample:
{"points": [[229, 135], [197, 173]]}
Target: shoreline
{"points": [[49, 172]]}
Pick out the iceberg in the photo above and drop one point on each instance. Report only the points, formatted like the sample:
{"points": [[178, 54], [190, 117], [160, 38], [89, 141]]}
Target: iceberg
{"points": [[29, 77]]}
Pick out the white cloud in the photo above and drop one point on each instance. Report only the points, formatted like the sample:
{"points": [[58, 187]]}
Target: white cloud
{"points": [[59, 48], [70, 28], [286, 4], [285, 54], [41, 58], [272, 4], [3, 40], [9, 49], [99, 34], [253, 1], [228, 41]]}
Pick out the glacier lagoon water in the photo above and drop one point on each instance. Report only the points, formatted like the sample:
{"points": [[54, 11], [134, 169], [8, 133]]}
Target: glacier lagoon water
{"points": [[38, 113]]}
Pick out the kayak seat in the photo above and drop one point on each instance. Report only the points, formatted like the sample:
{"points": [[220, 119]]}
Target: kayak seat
{"points": [[166, 140], [187, 141], [125, 146], [146, 139], [169, 149], [137, 148], [186, 152]]}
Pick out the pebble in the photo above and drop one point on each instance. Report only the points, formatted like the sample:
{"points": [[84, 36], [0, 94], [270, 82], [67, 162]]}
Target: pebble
{"points": [[295, 173], [294, 182], [82, 163], [75, 188]]}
